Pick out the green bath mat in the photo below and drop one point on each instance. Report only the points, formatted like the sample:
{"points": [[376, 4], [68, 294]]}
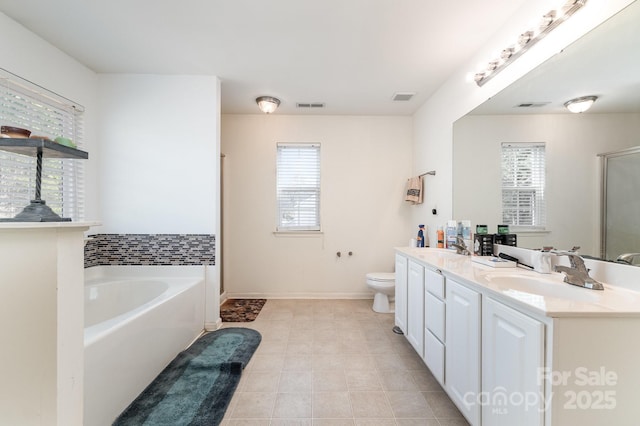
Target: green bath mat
{"points": [[196, 387]]}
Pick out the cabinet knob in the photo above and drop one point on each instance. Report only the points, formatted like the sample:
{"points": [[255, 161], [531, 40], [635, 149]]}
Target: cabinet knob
{"points": [[338, 254]]}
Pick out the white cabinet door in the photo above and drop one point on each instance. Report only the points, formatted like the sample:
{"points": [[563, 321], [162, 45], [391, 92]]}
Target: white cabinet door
{"points": [[434, 355], [462, 355], [401, 293], [512, 359], [415, 307]]}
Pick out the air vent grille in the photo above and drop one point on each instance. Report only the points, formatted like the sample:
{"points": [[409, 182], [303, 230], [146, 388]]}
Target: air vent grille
{"points": [[532, 104], [310, 105], [403, 96]]}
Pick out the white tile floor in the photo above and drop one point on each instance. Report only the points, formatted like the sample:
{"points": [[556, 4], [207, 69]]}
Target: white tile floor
{"points": [[335, 363]]}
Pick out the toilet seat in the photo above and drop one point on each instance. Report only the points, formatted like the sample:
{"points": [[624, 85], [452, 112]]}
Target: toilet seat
{"points": [[381, 277]]}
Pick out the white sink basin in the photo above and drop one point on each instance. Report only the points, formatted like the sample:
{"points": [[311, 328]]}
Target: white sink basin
{"points": [[541, 286]]}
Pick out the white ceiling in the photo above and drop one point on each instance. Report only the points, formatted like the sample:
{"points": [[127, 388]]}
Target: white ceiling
{"points": [[352, 55]]}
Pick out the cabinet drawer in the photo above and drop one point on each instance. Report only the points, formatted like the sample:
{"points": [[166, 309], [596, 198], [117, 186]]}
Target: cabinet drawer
{"points": [[434, 283], [434, 356], [434, 310]]}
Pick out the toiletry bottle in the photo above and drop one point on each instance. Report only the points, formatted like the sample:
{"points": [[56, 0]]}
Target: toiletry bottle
{"points": [[440, 234], [466, 233], [451, 233], [421, 236]]}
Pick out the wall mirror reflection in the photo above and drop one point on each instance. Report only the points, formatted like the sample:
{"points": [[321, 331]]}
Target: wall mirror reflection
{"points": [[603, 63]]}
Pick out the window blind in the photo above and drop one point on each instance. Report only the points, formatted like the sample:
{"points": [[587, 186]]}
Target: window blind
{"points": [[523, 185], [45, 114], [298, 187]]}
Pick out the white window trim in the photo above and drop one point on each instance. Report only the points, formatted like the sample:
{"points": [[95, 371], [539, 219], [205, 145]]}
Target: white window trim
{"points": [[540, 226], [308, 230]]}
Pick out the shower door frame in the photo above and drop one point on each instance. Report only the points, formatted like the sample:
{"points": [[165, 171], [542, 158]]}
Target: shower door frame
{"points": [[603, 199]]}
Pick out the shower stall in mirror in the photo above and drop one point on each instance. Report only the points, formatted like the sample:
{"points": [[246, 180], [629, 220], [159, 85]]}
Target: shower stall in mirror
{"points": [[620, 231]]}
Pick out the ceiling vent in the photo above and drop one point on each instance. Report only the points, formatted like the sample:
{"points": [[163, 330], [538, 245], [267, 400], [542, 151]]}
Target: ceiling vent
{"points": [[403, 96], [310, 105], [532, 104]]}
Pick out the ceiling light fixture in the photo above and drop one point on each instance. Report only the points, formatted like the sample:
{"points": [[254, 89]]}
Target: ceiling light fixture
{"points": [[267, 104], [526, 39], [579, 105]]}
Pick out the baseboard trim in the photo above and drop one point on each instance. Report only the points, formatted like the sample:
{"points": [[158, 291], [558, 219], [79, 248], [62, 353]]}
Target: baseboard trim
{"points": [[213, 326], [298, 296]]}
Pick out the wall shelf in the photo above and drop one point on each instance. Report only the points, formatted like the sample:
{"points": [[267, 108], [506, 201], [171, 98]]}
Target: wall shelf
{"points": [[49, 148], [37, 210]]}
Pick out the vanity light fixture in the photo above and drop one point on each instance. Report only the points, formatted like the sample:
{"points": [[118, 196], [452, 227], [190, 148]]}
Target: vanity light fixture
{"points": [[579, 105], [526, 39], [267, 104]]}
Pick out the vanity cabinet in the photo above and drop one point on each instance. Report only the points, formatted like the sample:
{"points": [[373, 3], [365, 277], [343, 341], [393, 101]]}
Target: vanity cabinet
{"points": [[434, 323], [512, 362], [415, 306], [401, 293], [462, 355], [505, 358]]}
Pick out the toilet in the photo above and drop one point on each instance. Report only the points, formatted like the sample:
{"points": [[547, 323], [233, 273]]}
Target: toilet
{"points": [[384, 285]]}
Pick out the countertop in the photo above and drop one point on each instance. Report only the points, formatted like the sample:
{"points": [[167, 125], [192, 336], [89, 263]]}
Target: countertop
{"points": [[544, 294]]}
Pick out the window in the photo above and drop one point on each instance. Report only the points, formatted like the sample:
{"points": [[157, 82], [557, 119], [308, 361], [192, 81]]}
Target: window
{"points": [[26, 105], [523, 185], [298, 187]]}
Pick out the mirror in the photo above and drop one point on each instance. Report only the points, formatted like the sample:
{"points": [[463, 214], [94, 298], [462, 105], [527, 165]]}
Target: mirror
{"points": [[604, 63]]}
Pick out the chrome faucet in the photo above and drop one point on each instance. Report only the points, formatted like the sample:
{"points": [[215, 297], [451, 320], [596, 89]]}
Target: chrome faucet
{"points": [[461, 247], [629, 258], [577, 274]]}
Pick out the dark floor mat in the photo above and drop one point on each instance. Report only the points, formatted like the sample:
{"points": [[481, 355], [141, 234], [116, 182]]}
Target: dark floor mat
{"points": [[241, 310]]}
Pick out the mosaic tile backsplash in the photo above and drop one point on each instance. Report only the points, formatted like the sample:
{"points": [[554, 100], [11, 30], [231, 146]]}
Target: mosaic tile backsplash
{"points": [[149, 249]]}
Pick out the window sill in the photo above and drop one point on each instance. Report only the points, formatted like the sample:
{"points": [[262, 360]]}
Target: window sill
{"points": [[524, 231], [299, 234]]}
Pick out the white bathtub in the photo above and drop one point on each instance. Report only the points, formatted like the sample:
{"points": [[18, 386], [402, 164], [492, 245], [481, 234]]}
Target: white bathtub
{"points": [[137, 319]]}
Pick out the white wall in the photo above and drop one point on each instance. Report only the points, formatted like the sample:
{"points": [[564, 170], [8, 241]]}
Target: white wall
{"points": [[159, 153], [365, 162], [573, 175], [433, 122]]}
